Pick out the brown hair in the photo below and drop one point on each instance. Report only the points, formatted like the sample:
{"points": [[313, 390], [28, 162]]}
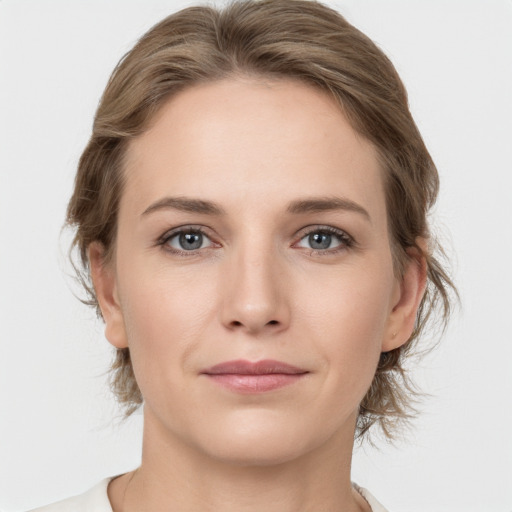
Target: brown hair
{"points": [[289, 39]]}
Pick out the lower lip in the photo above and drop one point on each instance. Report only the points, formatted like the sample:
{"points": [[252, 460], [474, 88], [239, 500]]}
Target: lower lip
{"points": [[242, 383]]}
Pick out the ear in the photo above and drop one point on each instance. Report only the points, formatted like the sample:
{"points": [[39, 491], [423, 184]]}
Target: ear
{"points": [[406, 299], [104, 281]]}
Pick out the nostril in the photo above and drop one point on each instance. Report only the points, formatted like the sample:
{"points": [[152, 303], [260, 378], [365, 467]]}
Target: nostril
{"points": [[237, 323]]}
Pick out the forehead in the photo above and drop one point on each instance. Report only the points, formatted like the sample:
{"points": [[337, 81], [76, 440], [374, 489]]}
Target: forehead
{"points": [[251, 138]]}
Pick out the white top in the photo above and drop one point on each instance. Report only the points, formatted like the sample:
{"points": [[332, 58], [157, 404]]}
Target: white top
{"points": [[96, 500]]}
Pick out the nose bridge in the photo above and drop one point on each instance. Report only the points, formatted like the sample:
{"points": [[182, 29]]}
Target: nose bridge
{"points": [[254, 298]]}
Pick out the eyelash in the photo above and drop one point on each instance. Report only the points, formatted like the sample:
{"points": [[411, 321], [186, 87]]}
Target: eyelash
{"points": [[169, 235], [346, 240]]}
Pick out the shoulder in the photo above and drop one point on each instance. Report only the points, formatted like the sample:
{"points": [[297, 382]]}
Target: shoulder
{"points": [[94, 500], [368, 496]]}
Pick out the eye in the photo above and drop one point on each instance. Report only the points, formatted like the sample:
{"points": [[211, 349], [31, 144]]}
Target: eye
{"points": [[325, 239], [186, 240]]}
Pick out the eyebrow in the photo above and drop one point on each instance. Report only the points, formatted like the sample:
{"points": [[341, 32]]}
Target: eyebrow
{"points": [[323, 204], [298, 206], [185, 204]]}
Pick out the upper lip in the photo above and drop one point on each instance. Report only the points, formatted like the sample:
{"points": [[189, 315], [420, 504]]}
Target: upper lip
{"points": [[264, 367]]}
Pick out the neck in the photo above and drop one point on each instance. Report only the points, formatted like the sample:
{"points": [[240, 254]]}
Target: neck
{"points": [[175, 476]]}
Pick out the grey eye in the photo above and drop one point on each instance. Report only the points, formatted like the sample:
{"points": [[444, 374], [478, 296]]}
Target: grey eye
{"points": [[189, 241], [320, 240]]}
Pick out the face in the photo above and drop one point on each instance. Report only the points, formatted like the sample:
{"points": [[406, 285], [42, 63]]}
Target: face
{"points": [[252, 229]]}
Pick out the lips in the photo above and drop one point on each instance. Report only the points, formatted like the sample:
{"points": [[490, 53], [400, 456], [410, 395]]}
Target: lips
{"points": [[254, 377], [264, 367]]}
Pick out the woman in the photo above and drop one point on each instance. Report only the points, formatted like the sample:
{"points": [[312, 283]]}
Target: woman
{"points": [[251, 218]]}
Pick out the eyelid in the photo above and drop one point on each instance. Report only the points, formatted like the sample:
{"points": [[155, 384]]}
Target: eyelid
{"points": [[346, 240], [186, 228]]}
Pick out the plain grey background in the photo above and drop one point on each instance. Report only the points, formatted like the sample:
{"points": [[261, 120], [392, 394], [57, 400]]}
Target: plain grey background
{"points": [[57, 434]]}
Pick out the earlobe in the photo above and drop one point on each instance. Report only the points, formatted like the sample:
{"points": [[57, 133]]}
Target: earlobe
{"points": [[409, 292], [105, 286]]}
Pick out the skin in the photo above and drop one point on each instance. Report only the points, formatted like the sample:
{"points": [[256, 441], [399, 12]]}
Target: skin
{"points": [[255, 289]]}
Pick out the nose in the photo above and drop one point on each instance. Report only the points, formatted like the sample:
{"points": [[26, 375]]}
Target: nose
{"points": [[255, 293]]}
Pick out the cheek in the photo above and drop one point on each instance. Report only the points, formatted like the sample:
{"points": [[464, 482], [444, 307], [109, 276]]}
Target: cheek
{"points": [[348, 317], [354, 301], [165, 315]]}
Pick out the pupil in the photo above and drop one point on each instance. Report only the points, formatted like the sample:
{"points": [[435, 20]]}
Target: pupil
{"points": [[320, 240], [191, 241]]}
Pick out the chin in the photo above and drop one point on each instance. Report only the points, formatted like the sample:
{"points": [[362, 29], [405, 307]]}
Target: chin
{"points": [[261, 442], [255, 453]]}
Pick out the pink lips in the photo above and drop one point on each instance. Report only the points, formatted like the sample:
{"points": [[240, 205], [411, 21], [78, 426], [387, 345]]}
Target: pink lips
{"points": [[246, 377]]}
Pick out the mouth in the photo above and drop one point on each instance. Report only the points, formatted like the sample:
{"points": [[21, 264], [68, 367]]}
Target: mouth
{"points": [[254, 377]]}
